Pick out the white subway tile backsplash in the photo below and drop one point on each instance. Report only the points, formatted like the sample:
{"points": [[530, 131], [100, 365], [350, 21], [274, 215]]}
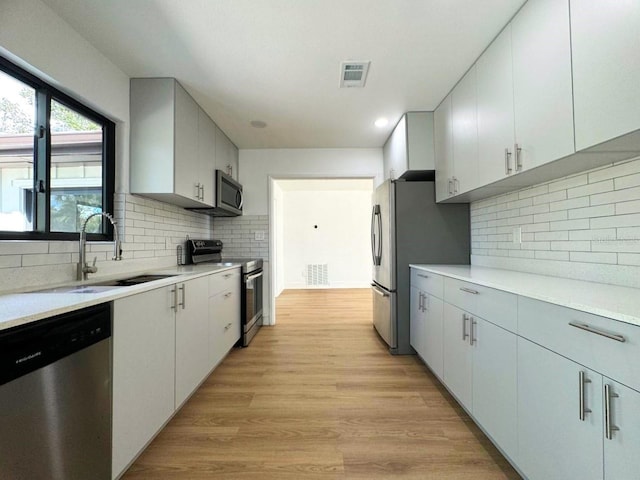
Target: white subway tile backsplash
{"points": [[585, 226]]}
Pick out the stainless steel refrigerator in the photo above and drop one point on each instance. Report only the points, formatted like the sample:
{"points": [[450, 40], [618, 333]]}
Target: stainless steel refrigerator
{"points": [[407, 226]]}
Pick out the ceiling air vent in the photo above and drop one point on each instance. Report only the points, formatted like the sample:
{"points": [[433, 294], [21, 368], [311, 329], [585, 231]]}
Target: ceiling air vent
{"points": [[353, 74]]}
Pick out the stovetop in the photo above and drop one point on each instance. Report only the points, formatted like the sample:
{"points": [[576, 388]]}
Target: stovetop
{"points": [[210, 252]]}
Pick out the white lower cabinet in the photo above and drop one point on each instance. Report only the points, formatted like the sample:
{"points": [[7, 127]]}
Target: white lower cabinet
{"points": [[554, 442], [458, 355], [622, 446], [426, 328], [192, 337], [143, 371], [417, 332], [224, 323]]}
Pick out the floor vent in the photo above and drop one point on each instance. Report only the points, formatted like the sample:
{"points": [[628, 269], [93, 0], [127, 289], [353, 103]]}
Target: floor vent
{"points": [[317, 274]]}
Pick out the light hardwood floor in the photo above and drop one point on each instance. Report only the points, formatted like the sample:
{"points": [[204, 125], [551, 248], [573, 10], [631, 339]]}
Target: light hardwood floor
{"points": [[319, 397]]}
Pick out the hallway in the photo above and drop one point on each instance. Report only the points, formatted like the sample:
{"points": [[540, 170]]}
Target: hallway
{"points": [[319, 397]]}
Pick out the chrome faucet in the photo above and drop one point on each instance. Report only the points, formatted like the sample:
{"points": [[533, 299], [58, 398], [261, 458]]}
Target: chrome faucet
{"points": [[83, 268]]}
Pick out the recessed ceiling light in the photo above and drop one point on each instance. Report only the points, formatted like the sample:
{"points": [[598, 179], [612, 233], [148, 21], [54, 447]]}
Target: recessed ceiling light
{"points": [[381, 122], [258, 124]]}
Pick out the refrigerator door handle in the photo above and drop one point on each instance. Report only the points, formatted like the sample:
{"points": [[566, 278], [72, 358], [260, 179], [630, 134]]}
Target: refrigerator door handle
{"points": [[373, 235], [376, 240], [379, 256]]}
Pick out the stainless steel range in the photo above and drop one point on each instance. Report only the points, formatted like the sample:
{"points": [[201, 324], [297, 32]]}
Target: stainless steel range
{"points": [[210, 252]]}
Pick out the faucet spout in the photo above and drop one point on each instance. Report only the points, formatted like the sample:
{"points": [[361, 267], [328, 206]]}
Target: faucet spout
{"points": [[83, 267]]}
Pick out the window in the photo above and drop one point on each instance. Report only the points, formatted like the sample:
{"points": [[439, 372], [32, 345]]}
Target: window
{"points": [[57, 161]]}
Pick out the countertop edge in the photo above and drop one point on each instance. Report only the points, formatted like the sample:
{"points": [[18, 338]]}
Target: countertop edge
{"points": [[591, 308], [45, 305]]}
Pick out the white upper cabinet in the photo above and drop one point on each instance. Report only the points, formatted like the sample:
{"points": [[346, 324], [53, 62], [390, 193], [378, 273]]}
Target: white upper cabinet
{"points": [[542, 90], [495, 111], [605, 39], [226, 154], [443, 143], [410, 146], [464, 118], [166, 162], [207, 156]]}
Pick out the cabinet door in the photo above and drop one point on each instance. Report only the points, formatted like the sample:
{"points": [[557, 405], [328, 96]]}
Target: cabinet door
{"points": [[143, 371], [192, 337], [226, 154], [553, 443], [224, 324], [443, 149], [458, 355], [495, 383], [621, 459], [206, 156], [465, 133], [394, 152], [433, 333], [543, 93], [495, 111], [416, 320], [606, 72], [186, 169]]}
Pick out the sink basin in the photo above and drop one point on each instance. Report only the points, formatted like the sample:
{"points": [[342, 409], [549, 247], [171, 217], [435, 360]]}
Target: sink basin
{"points": [[107, 285]]}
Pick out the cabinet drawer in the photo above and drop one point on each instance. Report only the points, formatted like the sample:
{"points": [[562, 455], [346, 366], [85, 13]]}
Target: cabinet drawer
{"points": [[224, 324], [219, 282], [427, 282], [549, 326], [496, 306]]}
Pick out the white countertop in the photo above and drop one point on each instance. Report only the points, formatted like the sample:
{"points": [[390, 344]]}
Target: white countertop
{"points": [[611, 301], [22, 308]]}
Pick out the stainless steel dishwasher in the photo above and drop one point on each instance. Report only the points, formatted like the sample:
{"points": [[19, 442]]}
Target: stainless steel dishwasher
{"points": [[55, 398]]}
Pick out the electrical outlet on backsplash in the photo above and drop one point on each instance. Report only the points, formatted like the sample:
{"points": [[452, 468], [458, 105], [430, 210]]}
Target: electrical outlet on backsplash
{"points": [[585, 226]]}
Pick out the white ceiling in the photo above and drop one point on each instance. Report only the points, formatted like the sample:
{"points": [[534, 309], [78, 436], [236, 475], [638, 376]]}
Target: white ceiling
{"points": [[278, 60]]}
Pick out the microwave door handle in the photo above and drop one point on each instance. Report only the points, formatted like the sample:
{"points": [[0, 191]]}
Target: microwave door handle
{"points": [[241, 202]]}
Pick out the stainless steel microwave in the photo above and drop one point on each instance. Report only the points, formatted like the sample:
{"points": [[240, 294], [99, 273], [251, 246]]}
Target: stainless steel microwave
{"points": [[228, 199]]}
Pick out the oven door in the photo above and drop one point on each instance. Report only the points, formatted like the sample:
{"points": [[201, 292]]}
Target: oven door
{"points": [[252, 303]]}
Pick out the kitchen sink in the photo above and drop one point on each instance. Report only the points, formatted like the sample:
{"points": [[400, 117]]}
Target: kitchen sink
{"points": [[106, 285]]}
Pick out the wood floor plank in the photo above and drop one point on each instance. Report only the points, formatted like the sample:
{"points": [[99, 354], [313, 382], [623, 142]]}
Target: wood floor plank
{"points": [[318, 397]]}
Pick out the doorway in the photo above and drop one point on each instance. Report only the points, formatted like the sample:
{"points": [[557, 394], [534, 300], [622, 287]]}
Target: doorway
{"points": [[319, 234]]}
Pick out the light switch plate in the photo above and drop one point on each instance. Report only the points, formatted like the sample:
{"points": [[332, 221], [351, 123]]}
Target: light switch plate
{"points": [[258, 236]]}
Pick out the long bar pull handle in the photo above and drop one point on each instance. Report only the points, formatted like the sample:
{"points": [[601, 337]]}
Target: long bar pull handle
{"points": [[422, 275], [227, 326], [202, 192], [589, 328], [582, 380], [197, 195], [468, 290], [451, 186], [472, 328], [456, 182], [373, 235], [379, 236], [507, 162], [608, 427], [174, 298], [379, 292], [420, 302], [182, 289], [518, 151], [464, 327]]}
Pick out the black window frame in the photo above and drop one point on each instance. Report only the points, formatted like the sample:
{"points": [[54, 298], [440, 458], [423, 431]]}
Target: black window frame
{"points": [[45, 93]]}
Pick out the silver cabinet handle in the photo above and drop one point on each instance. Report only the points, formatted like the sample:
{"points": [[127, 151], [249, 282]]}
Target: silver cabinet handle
{"points": [[465, 317], [197, 195], [378, 291], [472, 334], [420, 302], [422, 275], [227, 275], [201, 191], [608, 427], [507, 162], [228, 294], [582, 381], [518, 151], [589, 328], [468, 290], [182, 289], [451, 186], [174, 297], [227, 326], [456, 182]]}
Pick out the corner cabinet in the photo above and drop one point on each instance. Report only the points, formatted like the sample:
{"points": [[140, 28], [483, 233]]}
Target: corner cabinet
{"points": [[409, 148]]}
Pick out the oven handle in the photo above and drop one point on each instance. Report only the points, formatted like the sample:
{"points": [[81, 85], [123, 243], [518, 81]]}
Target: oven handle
{"points": [[253, 277]]}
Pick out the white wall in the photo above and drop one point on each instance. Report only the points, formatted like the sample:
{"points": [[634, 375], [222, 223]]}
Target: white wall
{"points": [[278, 239], [256, 166], [586, 226], [341, 239]]}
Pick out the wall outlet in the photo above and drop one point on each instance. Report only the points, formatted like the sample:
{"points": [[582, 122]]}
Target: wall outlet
{"points": [[258, 236], [517, 235]]}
